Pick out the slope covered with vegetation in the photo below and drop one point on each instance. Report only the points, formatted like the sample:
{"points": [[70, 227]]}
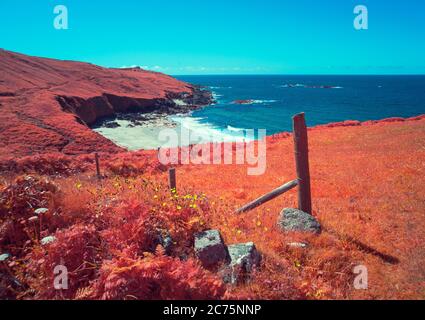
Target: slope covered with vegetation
{"points": [[368, 194]]}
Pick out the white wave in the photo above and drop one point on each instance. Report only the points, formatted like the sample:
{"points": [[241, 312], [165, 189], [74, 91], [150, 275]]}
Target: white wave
{"points": [[309, 86], [250, 101], [217, 97], [230, 128], [215, 88], [298, 85], [263, 101], [209, 132]]}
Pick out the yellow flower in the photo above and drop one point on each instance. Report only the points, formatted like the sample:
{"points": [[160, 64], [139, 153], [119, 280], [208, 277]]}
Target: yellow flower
{"points": [[318, 293], [258, 223], [239, 232], [179, 207], [155, 197], [78, 185], [194, 220]]}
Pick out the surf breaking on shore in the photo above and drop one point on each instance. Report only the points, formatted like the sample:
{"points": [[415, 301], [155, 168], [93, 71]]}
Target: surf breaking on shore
{"points": [[146, 134], [137, 131]]}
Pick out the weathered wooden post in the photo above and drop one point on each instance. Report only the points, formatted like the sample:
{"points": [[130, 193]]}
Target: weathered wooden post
{"points": [[96, 158], [301, 160], [172, 178], [269, 196]]}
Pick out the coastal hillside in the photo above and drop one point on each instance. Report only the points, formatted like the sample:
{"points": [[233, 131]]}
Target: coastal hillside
{"points": [[48, 105], [367, 188], [124, 233]]}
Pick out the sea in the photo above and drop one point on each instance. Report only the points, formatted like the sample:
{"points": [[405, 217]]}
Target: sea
{"points": [[272, 100], [324, 99]]}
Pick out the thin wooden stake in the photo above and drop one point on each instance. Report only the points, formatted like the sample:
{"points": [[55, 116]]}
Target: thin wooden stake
{"points": [[96, 158], [301, 160], [269, 196], [172, 178]]}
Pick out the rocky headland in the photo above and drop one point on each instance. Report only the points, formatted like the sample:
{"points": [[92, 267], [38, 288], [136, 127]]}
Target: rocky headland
{"points": [[50, 105]]}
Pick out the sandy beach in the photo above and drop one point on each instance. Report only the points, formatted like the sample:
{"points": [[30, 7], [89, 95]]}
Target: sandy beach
{"points": [[141, 136]]}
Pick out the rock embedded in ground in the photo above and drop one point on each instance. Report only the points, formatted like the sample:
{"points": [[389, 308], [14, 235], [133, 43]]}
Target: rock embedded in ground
{"points": [[41, 211], [296, 220], [111, 124], [165, 240], [210, 248], [297, 245], [4, 257], [48, 240], [244, 257], [33, 219], [244, 253]]}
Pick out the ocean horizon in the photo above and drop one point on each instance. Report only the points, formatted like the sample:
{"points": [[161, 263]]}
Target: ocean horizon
{"points": [[270, 101]]}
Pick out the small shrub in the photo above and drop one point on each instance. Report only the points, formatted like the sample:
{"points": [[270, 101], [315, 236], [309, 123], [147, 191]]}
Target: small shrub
{"points": [[78, 249], [156, 277]]}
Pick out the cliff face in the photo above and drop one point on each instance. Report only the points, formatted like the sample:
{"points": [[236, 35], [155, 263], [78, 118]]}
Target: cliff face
{"points": [[46, 105]]}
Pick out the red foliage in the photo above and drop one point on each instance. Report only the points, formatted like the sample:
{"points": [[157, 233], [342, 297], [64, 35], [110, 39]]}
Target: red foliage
{"points": [[45, 164], [125, 164], [78, 249], [154, 278], [24, 195], [132, 226], [133, 164], [347, 123], [138, 226], [17, 204], [367, 189]]}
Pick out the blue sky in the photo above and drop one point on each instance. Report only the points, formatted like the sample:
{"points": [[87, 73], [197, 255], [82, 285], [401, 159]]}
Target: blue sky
{"points": [[224, 36]]}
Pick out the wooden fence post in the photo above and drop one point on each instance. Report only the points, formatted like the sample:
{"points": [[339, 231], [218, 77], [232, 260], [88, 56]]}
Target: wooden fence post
{"points": [[269, 196], [96, 158], [301, 160], [172, 178]]}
